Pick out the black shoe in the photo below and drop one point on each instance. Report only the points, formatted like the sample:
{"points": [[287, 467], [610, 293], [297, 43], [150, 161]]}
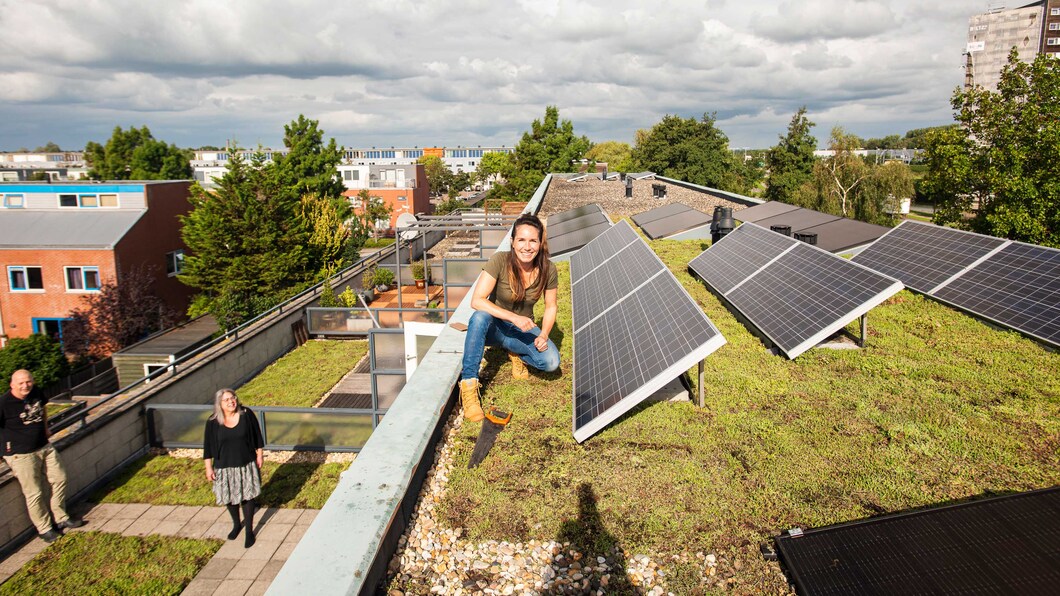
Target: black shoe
{"points": [[51, 536], [71, 523]]}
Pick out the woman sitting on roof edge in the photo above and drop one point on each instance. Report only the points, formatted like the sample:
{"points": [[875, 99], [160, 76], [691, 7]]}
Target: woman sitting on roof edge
{"points": [[509, 286]]}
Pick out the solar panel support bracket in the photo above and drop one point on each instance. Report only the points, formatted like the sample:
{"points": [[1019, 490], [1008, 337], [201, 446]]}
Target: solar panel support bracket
{"points": [[702, 402], [864, 330]]}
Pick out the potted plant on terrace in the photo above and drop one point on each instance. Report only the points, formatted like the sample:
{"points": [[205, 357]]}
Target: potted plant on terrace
{"points": [[383, 278], [419, 274], [367, 283]]}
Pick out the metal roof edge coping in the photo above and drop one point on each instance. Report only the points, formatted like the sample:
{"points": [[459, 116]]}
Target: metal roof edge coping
{"points": [[732, 196], [338, 552]]}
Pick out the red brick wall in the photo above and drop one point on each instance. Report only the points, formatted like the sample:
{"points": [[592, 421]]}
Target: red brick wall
{"points": [[20, 308], [154, 235]]}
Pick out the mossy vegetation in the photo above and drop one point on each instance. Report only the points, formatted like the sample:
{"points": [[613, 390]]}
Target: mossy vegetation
{"points": [[165, 480], [938, 407], [98, 563], [301, 377]]}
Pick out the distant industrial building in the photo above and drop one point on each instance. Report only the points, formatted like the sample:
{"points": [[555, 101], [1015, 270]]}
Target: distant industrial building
{"points": [[23, 166], [1031, 28], [62, 241]]}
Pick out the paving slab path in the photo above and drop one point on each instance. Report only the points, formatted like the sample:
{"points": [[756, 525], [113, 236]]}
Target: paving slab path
{"points": [[233, 570]]}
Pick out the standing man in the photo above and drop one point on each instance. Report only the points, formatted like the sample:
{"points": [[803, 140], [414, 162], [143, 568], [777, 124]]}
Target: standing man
{"points": [[32, 459]]}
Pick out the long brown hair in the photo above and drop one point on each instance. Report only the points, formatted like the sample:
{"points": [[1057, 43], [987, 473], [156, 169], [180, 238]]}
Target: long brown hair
{"points": [[540, 261]]}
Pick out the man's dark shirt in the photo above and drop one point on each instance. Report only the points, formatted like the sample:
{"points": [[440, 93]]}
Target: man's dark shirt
{"points": [[22, 423]]}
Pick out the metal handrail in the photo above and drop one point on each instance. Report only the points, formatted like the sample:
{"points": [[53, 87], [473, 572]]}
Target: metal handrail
{"points": [[172, 368]]}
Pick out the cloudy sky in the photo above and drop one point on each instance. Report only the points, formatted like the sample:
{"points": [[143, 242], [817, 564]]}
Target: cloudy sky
{"points": [[472, 72]]}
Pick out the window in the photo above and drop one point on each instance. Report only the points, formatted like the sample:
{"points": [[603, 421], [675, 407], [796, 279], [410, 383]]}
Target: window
{"points": [[53, 328], [1054, 12], [174, 263], [68, 200], [108, 200], [1053, 41], [414, 153], [1054, 26], [88, 201], [25, 279], [14, 201], [82, 279], [401, 198], [351, 175]]}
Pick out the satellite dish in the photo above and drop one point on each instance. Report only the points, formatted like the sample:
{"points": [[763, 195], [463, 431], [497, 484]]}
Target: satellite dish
{"points": [[406, 220]]}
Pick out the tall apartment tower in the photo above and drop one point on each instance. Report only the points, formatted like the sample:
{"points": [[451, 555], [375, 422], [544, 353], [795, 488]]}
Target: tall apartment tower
{"points": [[1031, 28]]}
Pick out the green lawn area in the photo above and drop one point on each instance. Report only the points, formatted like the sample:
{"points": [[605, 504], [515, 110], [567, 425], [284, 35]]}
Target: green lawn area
{"points": [[301, 377], [938, 407], [165, 480], [97, 563]]}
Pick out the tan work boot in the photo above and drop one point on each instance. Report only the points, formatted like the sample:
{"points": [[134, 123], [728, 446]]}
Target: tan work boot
{"points": [[519, 372], [470, 401]]}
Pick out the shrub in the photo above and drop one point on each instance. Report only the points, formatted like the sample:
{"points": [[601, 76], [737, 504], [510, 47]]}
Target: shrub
{"points": [[39, 354], [348, 298], [417, 270], [327, 296], [368, 279], [383, 276]]}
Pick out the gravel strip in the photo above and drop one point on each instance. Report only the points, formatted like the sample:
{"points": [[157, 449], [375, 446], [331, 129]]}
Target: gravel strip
{"points": [[611, 196], [432, 559]]}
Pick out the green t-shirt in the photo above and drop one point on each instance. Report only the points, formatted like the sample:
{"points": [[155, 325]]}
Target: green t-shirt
{"points": [[497, 268]]}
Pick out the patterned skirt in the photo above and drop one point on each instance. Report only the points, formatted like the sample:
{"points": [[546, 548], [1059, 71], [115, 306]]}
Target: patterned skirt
{"points": [[232, 486]]}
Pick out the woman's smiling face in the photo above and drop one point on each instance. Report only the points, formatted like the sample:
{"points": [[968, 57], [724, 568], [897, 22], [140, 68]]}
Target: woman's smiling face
{"points": [[526, 244]]}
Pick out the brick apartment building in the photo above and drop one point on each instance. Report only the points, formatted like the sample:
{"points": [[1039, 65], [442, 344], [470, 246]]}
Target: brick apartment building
{"points": [[403, 187], [61, 241]]}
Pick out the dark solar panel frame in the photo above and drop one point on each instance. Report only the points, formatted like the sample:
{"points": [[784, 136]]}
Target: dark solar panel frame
{"points": [[574, 224], [844, 234], [636, 328], [767, 209], [795, 294], [659, 212], [737, 256], [603, 246], [999, 545], [924, 256], [563, 216], [573, 241], [676, 224], [1012, 284], [798, 219]]}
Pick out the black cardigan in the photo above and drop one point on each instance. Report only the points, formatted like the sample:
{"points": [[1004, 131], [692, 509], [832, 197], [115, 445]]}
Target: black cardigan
{"points": [[232, 453]]}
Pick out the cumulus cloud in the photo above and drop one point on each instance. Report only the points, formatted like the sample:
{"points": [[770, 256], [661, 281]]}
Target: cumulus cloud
{"points": [[397, 72]]}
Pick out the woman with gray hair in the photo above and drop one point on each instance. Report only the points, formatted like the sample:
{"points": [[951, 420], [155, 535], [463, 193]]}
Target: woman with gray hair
{"points": [[232, 450]]}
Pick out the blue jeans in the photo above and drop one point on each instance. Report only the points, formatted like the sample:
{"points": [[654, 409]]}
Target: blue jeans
{"points": [[484, 330]]}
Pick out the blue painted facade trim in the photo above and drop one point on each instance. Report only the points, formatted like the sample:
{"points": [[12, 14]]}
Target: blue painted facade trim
{"points": [[62, 189]]}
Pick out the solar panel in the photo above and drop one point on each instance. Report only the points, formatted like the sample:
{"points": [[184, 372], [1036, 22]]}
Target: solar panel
{"points": [[555, 229], [1013, 284], [572, 229], [671, 219], [659, 212], [924, 256], [795, 294], [596, 252], [1000, 545], [562, 216], [635, 328], [768, 209], [844, 234], [738, 256], [798, 219]]}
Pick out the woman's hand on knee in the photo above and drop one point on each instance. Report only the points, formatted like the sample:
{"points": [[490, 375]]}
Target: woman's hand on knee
{"points": [[541, 343], [524, 323]]}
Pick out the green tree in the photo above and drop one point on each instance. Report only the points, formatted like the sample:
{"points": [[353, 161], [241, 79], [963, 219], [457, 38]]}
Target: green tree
{"points": [[249, 247], [692, 150], [372, 212], [309, 166], [49, 147], [840, 175], [998, 174], [136, 155], [328, 232], [117, 316], [791, 161], [617, 155], [494, 167], [549, 146], [880, 196], [438, 174], [39, 354]]}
